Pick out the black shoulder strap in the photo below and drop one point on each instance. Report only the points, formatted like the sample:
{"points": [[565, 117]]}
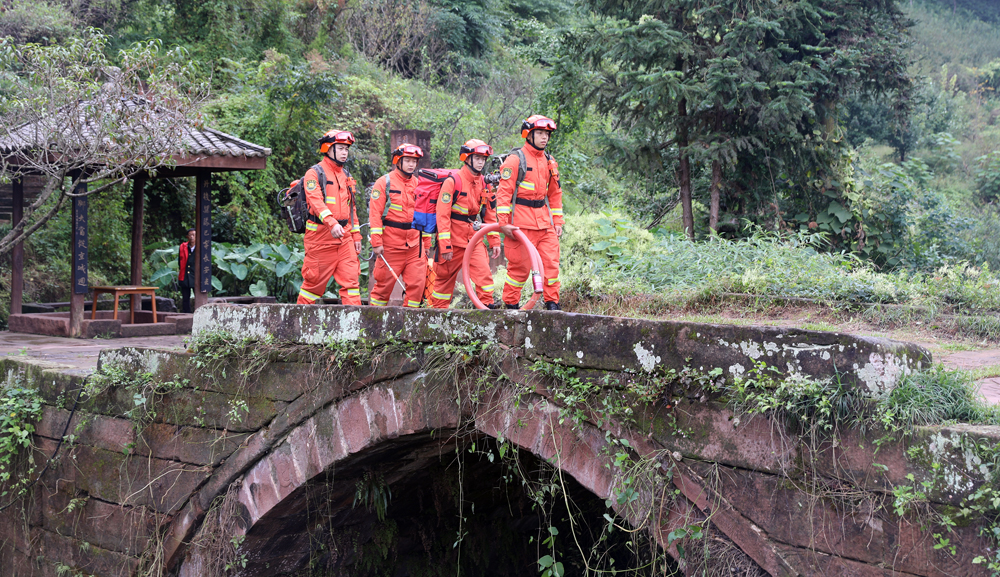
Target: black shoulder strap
{"points": [[522, 164]]}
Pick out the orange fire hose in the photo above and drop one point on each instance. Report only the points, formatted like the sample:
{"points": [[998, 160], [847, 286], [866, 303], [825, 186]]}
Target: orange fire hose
{"points": [[536, 266]]}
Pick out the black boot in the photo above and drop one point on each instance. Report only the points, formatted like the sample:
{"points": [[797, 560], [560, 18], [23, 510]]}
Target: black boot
{"points": [[493, 306], [552, 306], [513, 307]]}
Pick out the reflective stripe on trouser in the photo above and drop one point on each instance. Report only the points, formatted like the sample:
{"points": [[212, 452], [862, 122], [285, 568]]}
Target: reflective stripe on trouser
{"points": [[326, 260], [519, 265], [447, 276], [412, 270]]}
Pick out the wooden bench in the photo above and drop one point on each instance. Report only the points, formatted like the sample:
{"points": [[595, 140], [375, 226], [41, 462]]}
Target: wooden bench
{"points": [[119, 291]]}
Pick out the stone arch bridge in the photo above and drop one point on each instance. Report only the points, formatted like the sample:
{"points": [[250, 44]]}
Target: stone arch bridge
{"points": [[302, 425]]}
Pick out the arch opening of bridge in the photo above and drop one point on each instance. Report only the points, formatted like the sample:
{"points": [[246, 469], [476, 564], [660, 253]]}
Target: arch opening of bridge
{"points": [[439, 502]]}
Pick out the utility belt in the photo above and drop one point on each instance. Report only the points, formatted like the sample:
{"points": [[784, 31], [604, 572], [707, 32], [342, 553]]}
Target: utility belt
{"points": [[399, 225], [315, 219], [463, 217], [531, 203]]}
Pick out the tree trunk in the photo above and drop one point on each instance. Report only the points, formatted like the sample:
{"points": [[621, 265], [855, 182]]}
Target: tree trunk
{"points": [[684, 170], [713, 212]]}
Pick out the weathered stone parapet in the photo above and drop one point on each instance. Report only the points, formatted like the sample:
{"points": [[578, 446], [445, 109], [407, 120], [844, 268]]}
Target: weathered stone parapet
{"points": [[589, 341]]}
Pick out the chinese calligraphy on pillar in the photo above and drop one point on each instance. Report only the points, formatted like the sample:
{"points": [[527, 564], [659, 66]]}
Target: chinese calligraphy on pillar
{"points": [[80, 244], [205, 232]]}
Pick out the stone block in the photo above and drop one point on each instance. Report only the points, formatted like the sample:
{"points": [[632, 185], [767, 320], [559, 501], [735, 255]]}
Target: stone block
{"points": [[384, 415], [707, 431], [259, 491], [117, 528], [194, 445], [117, 478], [149, 329], [102, 327], [314, 324], [89, 558], [52, 324], [616, 344], [283, 470], [353, 419], [304, 447]]}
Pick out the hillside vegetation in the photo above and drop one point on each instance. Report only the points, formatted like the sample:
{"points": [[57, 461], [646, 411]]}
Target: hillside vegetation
{"points": [[865, 182]]}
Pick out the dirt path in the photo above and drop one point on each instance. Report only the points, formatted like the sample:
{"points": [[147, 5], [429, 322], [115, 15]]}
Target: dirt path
{"points": [[76, 356]]}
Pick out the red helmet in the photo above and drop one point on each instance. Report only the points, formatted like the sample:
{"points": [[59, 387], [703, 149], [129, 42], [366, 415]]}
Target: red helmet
{"points": [[537, 122], [474, 146], [406, 149], [335, 137]]}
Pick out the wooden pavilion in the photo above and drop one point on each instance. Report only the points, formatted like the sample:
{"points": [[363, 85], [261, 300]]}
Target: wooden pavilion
{"points": [[200, 152]]}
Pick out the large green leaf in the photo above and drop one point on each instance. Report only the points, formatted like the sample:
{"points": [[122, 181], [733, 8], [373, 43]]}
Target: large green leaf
{"points": [[259, 289], [239, 270], [283, 268]]}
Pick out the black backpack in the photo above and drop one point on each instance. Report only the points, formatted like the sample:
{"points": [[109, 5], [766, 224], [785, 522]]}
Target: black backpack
{"points": [[293, 206]]}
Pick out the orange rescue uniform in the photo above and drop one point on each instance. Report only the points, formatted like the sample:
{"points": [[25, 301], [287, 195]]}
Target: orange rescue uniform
{"points": [[534, 218], [454, 225], [401, 242], [327, 256]]}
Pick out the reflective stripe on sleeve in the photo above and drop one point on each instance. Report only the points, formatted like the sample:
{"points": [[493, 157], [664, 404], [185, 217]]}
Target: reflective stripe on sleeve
{"points": [[324, 214], [557, 212], [311, 226], [377, 230], [357, 228], [444, 235], [503, 209]]}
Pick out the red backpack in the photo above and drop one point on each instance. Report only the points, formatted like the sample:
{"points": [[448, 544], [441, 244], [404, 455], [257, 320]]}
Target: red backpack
{"points": [[429, 181]]}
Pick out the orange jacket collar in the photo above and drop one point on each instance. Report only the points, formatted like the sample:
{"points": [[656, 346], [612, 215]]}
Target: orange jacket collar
{"points": [[331, 165]]}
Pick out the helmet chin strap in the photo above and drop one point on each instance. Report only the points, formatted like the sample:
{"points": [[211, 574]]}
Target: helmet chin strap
{"points": [[473, 169], [399, 167], [531, 142], [333, 157]]}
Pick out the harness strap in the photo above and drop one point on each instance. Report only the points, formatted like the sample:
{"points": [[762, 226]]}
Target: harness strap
{"points": [[531, 203], [395, 224]]}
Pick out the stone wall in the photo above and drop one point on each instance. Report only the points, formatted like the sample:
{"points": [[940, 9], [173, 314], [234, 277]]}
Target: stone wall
{"points": [[120, 495]]}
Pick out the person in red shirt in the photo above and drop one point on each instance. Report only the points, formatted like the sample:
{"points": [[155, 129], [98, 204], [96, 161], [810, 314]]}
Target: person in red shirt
{"points": [[333, 233], [395, 243], [529, 198], [185, 270], [455, 215]]}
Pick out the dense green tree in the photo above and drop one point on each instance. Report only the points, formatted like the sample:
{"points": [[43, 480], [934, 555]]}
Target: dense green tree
{"points": [[753, 90]]}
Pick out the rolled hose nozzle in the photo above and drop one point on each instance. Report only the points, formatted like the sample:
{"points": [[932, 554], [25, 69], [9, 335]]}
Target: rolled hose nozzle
{"points": [[533, 256]]}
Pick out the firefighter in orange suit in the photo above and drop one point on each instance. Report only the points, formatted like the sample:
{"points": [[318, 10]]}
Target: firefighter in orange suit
{"points": [[534, 205], [455, 216], [333, 233], [395, 243]]}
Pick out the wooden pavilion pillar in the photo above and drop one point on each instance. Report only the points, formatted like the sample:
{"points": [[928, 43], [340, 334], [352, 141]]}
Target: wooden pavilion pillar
{"points": [[203, 252], [138, 185], [17, 255], [80, 249]]}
